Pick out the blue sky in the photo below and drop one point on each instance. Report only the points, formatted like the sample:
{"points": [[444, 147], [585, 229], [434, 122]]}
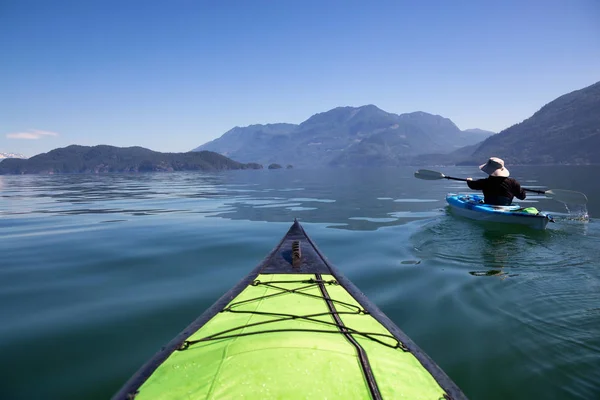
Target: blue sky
{"points": [[172, 75]]}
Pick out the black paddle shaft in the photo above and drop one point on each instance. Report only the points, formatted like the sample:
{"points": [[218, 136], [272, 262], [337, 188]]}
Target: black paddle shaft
{"points": [[464, 180]]}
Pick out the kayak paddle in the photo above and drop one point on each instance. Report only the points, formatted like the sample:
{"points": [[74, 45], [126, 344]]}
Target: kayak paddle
{"points": [[564, 196]]}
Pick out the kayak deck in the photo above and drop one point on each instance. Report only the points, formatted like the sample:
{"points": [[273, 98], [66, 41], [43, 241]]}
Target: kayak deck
{"points": [[293, 328]]}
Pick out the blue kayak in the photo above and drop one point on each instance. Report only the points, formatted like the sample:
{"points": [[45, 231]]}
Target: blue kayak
{"points": [[472, 206]]}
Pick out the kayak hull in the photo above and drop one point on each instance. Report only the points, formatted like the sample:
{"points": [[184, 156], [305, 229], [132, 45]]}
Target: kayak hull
{"points": [[472, 207], [295, 327]]}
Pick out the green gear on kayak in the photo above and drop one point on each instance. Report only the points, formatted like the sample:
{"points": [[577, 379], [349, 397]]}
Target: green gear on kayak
{"points": [[530, 210]]}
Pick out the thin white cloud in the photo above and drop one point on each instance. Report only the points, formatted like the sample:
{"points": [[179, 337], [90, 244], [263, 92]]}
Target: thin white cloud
{"points": [[32, 134]]}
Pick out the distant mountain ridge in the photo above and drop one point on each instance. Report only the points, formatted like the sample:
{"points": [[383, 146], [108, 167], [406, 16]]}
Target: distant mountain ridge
{"points": [[344, 136], [102, 159], [564, 131]]}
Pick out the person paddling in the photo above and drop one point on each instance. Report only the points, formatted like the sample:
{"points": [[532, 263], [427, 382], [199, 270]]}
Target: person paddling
{"points": [[498, 189]]}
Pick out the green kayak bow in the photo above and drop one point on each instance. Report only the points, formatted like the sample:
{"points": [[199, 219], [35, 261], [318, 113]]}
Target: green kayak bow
{"points": [[294, 328]]}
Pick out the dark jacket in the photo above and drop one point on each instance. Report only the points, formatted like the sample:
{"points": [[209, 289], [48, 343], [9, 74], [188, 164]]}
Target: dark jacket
{"points": [[498, 190]]}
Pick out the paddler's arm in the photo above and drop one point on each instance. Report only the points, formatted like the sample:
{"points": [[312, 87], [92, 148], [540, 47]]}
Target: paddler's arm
{"points": [[518, 191], [475, 185]]}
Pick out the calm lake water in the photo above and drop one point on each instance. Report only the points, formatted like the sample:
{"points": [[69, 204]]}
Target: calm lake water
{"points": [[98, 272]]}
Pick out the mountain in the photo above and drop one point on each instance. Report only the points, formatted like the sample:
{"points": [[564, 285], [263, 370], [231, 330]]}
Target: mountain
{"points": [[363, 135], [420, 133], [564, 131], [249, 143], [386, 148], [100, 159], [456, 157]]}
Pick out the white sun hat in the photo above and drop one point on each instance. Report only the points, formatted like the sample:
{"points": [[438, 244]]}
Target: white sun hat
{"points": [[494, 167]]}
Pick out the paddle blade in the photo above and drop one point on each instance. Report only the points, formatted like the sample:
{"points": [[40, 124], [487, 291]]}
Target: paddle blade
{"points": [[566, 196], [429, 175]]}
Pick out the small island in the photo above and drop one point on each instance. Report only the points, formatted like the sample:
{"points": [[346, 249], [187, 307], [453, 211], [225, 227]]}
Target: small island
{"points": [[107, 159], [275, 166]]}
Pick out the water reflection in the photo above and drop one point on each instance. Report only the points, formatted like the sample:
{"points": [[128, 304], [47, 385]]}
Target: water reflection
{"points": [[488, 249], [367, 200], [498, 251], [356, 200]]}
